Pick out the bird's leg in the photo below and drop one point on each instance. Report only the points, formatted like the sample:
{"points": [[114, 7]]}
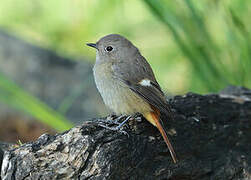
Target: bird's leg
{"points": [[116, 121], [119, 124], [112, 119], [122, 124], [118, 128]]}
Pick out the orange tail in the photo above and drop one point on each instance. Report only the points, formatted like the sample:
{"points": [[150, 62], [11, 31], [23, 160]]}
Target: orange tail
{"points": [[154, 118]]}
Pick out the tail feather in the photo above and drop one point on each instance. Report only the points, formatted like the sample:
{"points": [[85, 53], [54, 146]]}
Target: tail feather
{"points": [[155, 117]]}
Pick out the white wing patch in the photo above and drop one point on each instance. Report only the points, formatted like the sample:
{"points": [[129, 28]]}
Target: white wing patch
{"points": [[145, 82]]}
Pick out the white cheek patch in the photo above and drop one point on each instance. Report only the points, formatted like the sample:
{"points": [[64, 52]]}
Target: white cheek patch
{"points": [[145, 82]]}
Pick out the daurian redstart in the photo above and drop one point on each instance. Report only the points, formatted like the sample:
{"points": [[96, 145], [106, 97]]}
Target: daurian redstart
{"points": [[127, 84]]}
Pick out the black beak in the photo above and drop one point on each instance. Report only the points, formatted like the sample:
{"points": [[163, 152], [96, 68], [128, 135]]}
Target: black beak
{"points": [[94, 45]]}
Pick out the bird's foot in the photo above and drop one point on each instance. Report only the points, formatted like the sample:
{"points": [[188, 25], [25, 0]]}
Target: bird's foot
{"points": [[112, 119], [119, 125], [117, 120]]}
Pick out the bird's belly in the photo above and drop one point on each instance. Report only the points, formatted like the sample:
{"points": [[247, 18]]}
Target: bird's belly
{"points": [[119, 97]]}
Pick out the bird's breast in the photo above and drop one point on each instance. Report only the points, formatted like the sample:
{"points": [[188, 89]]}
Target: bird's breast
{"points": [[117, 95]]}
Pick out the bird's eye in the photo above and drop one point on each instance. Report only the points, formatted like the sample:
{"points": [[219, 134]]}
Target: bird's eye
{"points": [[109, 48]]}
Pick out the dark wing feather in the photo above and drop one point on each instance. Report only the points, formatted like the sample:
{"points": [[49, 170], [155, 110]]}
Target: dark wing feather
{"points": [[132, 72], [153, 97]]}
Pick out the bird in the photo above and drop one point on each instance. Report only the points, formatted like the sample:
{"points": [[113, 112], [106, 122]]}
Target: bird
{"points": [[127, 84]]}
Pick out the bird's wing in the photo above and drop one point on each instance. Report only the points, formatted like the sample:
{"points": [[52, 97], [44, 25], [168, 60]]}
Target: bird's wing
{"points": [[139, 77]]}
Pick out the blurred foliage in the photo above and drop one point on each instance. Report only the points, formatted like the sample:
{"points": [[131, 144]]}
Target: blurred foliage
{"points": [[192, 45], [66, 25], [13, 96], [219, 54], [206, 47]]}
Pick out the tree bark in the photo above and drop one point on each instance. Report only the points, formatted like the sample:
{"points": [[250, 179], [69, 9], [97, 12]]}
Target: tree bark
{"points": [[210, 133]]}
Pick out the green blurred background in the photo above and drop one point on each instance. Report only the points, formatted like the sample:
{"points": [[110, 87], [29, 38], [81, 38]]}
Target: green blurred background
{"points": [[198, 46]]}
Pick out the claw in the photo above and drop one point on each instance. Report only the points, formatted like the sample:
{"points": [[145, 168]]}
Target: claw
{"points": [[119, 118], [120, 125], [111, 121]]}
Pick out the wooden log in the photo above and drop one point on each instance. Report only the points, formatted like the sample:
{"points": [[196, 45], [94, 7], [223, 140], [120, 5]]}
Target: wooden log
{"points": [[210, 133]]}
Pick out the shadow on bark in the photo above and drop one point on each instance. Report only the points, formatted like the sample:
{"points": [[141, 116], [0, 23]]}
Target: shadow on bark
{"points": [[210, 133]]}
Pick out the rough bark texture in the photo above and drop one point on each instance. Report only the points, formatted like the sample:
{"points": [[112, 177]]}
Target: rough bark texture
{"points": [[210, 133]]}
